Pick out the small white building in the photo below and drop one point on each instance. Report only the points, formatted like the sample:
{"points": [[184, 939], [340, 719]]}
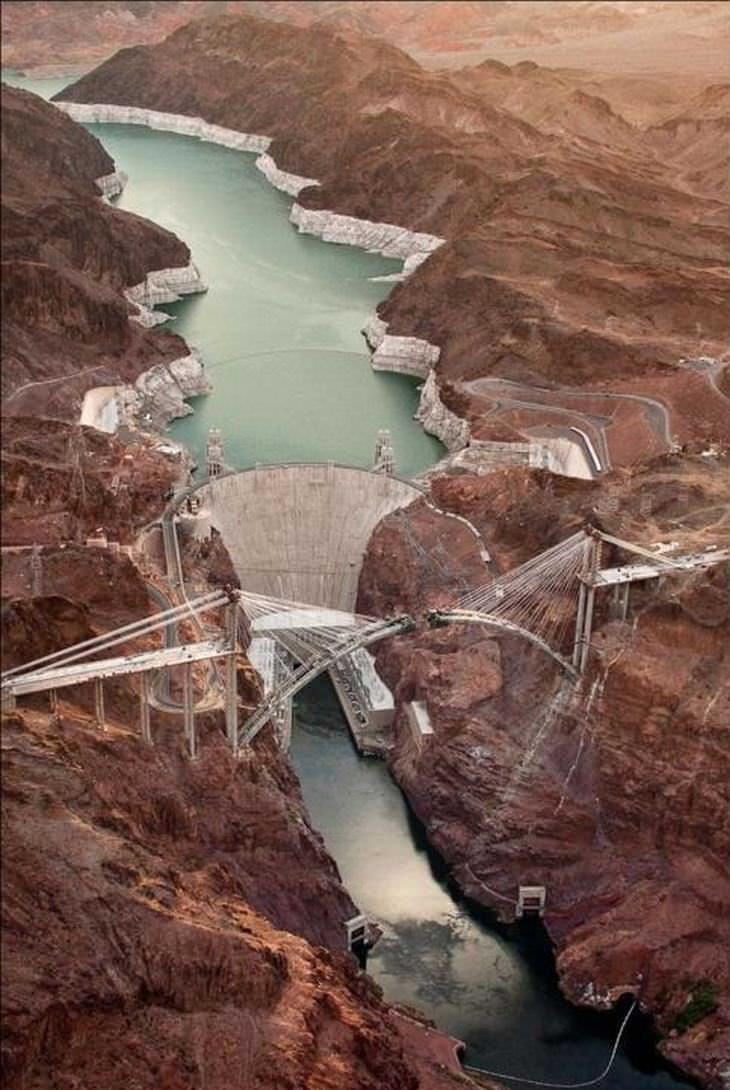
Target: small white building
{"points": [[419, 722], [97, 541], [530, 899]]}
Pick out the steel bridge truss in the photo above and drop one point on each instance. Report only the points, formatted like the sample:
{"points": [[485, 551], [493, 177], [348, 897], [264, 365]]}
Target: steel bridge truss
{"points": [[309, 670], [438, 618]]}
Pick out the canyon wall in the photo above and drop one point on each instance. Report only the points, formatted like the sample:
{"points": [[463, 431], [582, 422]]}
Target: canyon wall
{"points": [[384, 238], [187, 961], [61, 482], [165, 922], [193, 965], [69, 257], [612, 794], [558, 266]]}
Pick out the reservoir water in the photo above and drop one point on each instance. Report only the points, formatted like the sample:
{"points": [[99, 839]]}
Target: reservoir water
{"points": [[279, 327], [279, 331]]}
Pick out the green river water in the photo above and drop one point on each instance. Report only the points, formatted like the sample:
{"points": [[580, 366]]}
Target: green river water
{"points": [[279, 332]]}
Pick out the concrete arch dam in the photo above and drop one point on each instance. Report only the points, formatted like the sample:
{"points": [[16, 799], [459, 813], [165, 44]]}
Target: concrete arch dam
{"points": [[299, 531]]}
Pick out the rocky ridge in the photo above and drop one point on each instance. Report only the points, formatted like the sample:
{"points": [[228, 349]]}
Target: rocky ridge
{"points": [[615, 795], [557, 268], [570, 270], [196, 965], [662, 36], [557, 329], [70, 258]]}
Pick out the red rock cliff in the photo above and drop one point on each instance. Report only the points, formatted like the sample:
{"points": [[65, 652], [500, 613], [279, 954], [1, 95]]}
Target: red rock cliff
{"points": [[613, 795], [577, 253], [67, 256]]}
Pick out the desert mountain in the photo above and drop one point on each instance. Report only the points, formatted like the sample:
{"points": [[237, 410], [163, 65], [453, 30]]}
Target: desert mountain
{"points": [[67, 258], [573, 256], [658, 36]]}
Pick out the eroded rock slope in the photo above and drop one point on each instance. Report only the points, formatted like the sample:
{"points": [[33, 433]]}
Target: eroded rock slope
{"points": [[68, 257]]}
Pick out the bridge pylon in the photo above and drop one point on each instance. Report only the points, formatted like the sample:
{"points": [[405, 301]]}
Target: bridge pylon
{"points": [[231, 682], [586, 600]]}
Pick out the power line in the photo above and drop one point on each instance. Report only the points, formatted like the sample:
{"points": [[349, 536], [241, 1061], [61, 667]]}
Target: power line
{"points": [[560, 1085], [284, 352]]}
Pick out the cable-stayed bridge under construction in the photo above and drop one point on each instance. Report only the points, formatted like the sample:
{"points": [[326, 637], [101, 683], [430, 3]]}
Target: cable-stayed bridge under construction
{"points": [[548, 601]]}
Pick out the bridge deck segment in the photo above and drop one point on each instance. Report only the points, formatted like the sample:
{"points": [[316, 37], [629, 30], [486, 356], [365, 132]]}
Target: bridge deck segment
{"points": [[63, 676]]}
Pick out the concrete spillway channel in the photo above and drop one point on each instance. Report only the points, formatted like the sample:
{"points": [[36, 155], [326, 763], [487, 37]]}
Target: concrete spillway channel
{"points": [[300, 532]]}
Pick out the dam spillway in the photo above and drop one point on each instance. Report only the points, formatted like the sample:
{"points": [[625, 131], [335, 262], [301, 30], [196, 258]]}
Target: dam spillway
{"points": [[300, 531]]}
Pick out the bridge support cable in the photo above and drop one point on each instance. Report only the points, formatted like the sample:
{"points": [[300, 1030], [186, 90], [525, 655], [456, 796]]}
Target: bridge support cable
{"points": [[131, 631], [82, 662], [303, 631], [59, 677], [559, 1085], [638, 550], [535, 600], [299, 633], [304, 675], [499, 624]]}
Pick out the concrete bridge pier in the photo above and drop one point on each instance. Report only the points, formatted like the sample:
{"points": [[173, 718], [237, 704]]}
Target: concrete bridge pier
{"points": [[99, 704], [582, 597], [587, 629], [189, 710], [144, 706], [621, 594], [586, 602], [579, 619], [231, 682]]}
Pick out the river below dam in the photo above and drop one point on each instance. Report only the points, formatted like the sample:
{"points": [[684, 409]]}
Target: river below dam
{"points": [[279, 331]]}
